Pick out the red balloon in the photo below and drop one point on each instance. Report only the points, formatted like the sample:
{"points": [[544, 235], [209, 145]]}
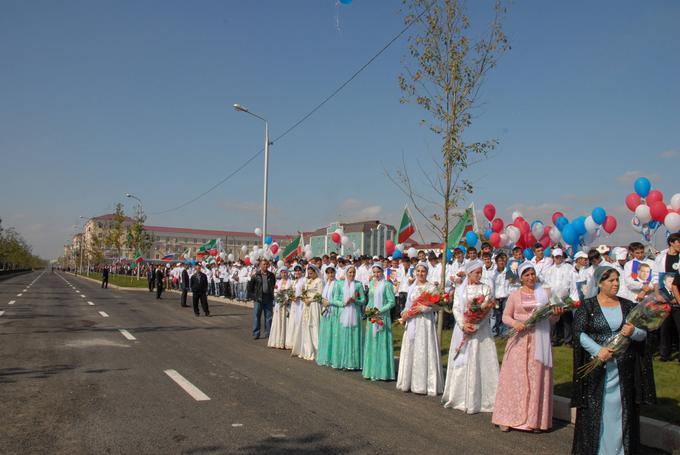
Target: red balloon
{"points": [[556, 216], [524, 228], [546, 231], [632, 201], [336, 238], [609, 224], [275, 248], [246, 261], [529, 240], [389, 247], [497, 225], [654, 196], [495, 239], [545, 241], [489, 211], [658, 210], [519, 220]]}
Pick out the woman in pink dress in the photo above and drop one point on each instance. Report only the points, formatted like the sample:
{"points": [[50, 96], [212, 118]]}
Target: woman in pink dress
{"points": [[525, 385]]}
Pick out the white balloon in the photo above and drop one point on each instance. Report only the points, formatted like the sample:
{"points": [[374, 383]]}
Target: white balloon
{"points": [[308, 255], [400, 246], [589, 238], [230, 257], [591, 225], [255, 248], [537, 230], [268, 255], [223, 255], [280, 264], [339, 231], [672, 222], [516, 214], [513, 234], [636, 225], [675, 201], [244, 248], [555, 235], [412, 252], [643, 214], [344, 240], [258, 232]]}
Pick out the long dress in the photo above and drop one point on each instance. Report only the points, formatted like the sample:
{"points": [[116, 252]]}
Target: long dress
{"points": [[277, 333], [607, 400], [471, 379], [327, 326], [306, 342], [420, 369], [294, 315], [378, 348], [525, 385], [347, 352]]}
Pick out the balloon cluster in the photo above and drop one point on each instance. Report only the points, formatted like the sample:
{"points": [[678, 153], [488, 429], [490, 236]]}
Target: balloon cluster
{"points": [[583, 230], [339, 238], [269, 251], [650, 209], [396, 250]]}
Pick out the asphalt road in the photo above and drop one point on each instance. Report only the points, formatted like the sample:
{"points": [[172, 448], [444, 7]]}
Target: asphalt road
{"points": [[72, 382]]}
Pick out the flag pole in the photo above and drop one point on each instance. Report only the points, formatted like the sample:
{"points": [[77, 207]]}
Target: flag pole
{"points": [[413, 220]]}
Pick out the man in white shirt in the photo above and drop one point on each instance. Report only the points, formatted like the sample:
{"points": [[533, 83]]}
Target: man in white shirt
{"points": [[561, 279], [541, 263], [582, 274], [637, 288], [501, 292], [455, 272], [243, 279], [435, 271], [488, 271]]}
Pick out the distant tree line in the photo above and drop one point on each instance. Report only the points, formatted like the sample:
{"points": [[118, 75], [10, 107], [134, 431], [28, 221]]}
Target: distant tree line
{"points": [[15, 253]]}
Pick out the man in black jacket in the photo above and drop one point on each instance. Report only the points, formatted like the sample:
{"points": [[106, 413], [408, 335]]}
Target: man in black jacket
{"points": [[261, 287], [184, 285], [150, 276], [199, 289], [159, 277], [105, 277]]}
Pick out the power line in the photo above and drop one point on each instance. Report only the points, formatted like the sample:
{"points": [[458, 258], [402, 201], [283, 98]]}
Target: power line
{"points": [[305, 117]]}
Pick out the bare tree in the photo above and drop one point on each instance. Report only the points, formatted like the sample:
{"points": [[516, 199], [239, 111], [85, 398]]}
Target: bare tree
{"points": [[443, 72]]}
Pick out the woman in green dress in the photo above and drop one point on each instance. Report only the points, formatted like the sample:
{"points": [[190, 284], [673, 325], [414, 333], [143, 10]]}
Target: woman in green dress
{"points": [[348, 298], [378, 349], [329, 320]]}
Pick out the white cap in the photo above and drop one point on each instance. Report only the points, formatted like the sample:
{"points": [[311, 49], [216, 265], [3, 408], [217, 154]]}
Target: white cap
{"points": [[376, 258], [621, 254], [602, 249], [557, 252], [580, 255], [389, 258]]}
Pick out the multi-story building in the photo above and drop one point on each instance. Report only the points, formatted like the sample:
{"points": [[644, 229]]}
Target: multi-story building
{"points": [[368, 238]]}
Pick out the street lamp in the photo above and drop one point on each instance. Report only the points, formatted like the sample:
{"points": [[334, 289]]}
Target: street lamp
{"points": [[240, 108]]}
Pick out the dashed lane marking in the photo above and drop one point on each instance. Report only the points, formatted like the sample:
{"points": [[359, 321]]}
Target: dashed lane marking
{"points": [[90, 303], [127, 334], [19, 295], [104, 315], [188, 387], [1, 313], [12, 302]]}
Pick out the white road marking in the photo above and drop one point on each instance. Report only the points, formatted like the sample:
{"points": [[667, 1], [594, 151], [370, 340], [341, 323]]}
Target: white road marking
{"points": [[188, 387], [127, 334], [19, 295], [82, 295], [1, 313], [90, 303], [104, 315], [12, 302], [236, 425]]}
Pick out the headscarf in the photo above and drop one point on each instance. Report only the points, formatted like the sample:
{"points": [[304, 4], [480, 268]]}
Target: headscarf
{"points": [[597, 278], [378, 292], [542, 344], [524, 267], [348, 317]]}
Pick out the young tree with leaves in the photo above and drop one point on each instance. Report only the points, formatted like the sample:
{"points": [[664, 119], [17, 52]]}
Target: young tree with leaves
{"points": [[116, 233]]}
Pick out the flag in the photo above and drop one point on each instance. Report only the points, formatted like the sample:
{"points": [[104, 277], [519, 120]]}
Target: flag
{"points": [[205, 249], [291, 249], [406, 227], [138, 257], [133, 265], [168, 257], [464, 225]]}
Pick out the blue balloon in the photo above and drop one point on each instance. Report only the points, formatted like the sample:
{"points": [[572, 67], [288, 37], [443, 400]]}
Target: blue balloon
{"points": [[561, 222], [579, 225], [193, 262], [569, 234], [487, 233], [653, 224], [599, 215], [463, 249], [397, 254], [547, 252], [345, 2], [449, 256], [529, 253], [642, 186], [471, 239], [268, 240]]}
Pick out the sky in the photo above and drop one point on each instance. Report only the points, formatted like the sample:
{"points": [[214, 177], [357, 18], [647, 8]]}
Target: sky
{"points": [[102, 98]]}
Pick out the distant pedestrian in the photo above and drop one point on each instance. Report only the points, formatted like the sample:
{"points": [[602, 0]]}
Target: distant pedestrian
{"points": [[151, 278], [261, 287], [158, 278], [105, 278], [184, 285], [199, 289]]}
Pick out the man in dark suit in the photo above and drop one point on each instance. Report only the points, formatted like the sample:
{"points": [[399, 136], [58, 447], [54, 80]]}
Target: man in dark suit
{"points": [[158, 278], [199, 289], [184, 285], [105, 278], [150, 276], [261, 287]]}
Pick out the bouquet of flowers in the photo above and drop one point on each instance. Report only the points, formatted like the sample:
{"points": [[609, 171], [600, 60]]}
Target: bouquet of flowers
{"points": [[431, 298], [545, 312], [476, 310], [374, 316], [285, 296], [646, 316], [309, 297]]}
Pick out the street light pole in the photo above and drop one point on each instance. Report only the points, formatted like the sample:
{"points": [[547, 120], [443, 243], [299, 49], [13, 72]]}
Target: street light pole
{"points": [[140, 213], [240, 108]]}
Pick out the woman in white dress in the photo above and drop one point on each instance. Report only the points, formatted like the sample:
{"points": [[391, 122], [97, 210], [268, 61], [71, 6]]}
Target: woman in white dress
{"points": [[295, 310], [277, 334], [471, 378], [420, 368], [306, 343]]}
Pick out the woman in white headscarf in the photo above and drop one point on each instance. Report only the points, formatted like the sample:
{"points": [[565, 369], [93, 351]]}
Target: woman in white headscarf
{"points": [[420, 368], [295, 310], [525, 386], [277, 333], [378, 348], [329, 319], [472, 375], [348, 298], [307, 338]]}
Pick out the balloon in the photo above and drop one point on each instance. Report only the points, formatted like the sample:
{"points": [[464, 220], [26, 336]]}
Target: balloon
{"points": [[555, 235], [497, 225], [504, 240], [524, 228], [636, 224], [489, 211], [389, 247], [547, 252], [529, 253], [495, 239], [516, 214], [487, 233], [579, 225], [268, 240], [308, 255], [654, 196], [599, 215], [632, 201], [591, 225], [345, 2], [339, 231], [672, 222], [545, 241], [258, 232], [255, 248], [675, 201], [609, 224], [412, 253], [449, 255], [246, 261], [658, 210], [471, 238], [344, 240], [653, 224], [397, 254], [400, 247], [589, 238], [569, 234], [335, 237], [556, 216], [268, 255], [280, 264], [275, 248], [223, 255], [230, 257], [513, 233], [537, 229], [244, 248], [529, 240], [642, 186], [462, 248], [561, 222], [643, 214]]}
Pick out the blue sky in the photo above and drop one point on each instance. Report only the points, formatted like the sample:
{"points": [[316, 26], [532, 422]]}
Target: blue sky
{"points": [[103, 98]]}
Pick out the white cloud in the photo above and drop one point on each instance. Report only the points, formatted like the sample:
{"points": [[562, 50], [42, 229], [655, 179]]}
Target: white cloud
{"points": [[668, 154], [357, 210], [629, 177]]}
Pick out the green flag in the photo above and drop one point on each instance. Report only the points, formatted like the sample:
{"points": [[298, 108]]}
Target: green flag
{"points": [[138, 258], [291, 249], [460, 229]]}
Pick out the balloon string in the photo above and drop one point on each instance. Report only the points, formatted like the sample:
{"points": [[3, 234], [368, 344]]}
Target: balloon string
{"points": [[337, 15]]}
